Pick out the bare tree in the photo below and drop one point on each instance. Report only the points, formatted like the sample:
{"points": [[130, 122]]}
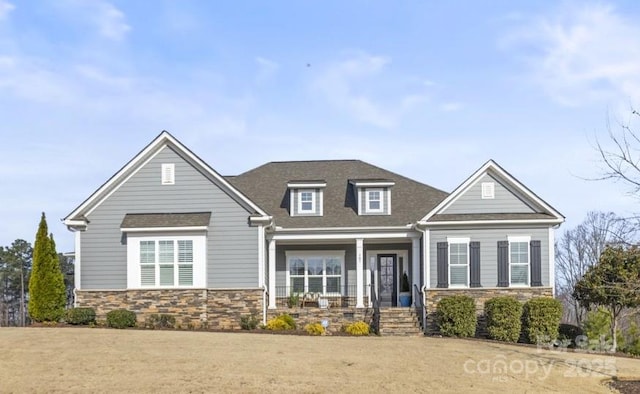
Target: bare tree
{"points": [[580, 248], [622, 159]]}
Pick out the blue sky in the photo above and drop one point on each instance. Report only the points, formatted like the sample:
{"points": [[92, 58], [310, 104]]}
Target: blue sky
{"points": [[430, 90]]}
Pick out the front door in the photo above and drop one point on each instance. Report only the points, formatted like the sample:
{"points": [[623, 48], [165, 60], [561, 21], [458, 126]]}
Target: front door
{"points": [[387, 279]]}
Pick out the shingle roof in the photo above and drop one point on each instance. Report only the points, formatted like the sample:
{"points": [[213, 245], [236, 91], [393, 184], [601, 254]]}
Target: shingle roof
{"points": [[152, 220], [488, 216], [267, 186]]}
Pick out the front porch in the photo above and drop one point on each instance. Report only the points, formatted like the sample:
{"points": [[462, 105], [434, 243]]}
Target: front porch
{"points": [[329, 271]]}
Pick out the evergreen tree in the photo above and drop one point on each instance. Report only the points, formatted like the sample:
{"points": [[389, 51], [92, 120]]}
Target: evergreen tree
{"points": [[46, 285]]}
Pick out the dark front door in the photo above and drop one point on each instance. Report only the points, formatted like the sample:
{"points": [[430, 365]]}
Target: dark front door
{"points": [[387, 279]]}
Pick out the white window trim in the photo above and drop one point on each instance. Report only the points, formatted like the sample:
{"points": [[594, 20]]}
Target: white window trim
{"points": [[382, 200], [520, 238], [168, 176], [199, 260], [339, 254], [458, 240], [488, 190], [313, 201]]}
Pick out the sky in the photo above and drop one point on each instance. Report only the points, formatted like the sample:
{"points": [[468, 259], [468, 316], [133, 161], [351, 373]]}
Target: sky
{"points": [[427, 89]]}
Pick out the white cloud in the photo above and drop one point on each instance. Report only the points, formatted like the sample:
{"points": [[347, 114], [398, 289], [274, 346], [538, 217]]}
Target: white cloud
{"points": [[360, 87], [5, 9], [582, 53], [110, 21], [267, 68]]}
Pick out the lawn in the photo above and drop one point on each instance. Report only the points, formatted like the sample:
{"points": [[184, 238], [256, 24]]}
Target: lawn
{"points": [[106, 360]]}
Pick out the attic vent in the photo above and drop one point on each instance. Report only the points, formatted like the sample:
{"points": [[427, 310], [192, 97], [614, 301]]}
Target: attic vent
{"points": [[488, 190], [168, 174]]}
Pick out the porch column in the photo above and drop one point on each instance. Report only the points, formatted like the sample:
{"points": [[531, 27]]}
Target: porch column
{"points": [[359, 273], [272, 274], [415, 263]]}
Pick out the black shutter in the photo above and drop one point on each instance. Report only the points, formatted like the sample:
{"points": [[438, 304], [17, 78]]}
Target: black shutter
{"points": [[536, 263], [474, 261], [503, 263], [443, 265]]}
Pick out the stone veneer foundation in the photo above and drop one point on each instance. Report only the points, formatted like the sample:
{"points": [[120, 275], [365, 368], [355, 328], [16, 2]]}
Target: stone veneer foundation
{"points": [[433, 297], [336, 317], [197, 308]]}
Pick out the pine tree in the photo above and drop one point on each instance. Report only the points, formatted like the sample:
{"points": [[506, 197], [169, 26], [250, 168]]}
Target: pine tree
{"points": [[46, 285]]}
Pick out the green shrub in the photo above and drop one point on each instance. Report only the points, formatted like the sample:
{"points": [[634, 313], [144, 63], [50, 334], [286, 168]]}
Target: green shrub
{"points": [[504, 318], [597, 328], [249, 322], [631, 342], [294, 300], [568, 333], [541, 319], [282, 322], [80, 316], [314, 329], [456, 316], [160, 321], [121, 318], [357, 328]]}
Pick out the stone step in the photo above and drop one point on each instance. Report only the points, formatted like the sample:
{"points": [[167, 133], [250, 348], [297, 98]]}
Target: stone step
{"points": [[399, 322]]}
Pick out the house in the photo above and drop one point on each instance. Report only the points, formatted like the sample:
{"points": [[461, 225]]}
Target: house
{"points": [[326, 240]]}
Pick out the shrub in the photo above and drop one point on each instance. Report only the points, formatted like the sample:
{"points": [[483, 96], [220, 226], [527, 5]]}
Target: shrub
{"points": [[541, 319], [249, 322], [456, 316], [632, 340], [282, 322], [81, 316], [160, 321], [294, 300], [47, 293], [597, 328], [314, 329], [568, 333], [121, 318], [504, 318], [357, 328]]}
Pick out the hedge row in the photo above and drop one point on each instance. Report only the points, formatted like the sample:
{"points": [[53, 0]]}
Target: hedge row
{"points": [[538, 320]]}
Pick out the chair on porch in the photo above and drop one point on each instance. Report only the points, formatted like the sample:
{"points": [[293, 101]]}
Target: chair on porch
{"points": [[310, 299]]}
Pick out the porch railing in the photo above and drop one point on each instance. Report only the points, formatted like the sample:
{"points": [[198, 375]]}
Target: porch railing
{"points": [[419, 305], [288, 297], [375, 318]]}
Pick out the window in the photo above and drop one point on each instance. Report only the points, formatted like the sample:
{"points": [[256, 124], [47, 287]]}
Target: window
{"points": [[458, 262], [168, 174], [488, 190], [307, 201], [374, 200], [315, 273], [177, 261], [519, 261]]}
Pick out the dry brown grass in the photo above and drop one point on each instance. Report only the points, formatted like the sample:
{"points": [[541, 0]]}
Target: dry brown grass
{"points": [[103, 360]]}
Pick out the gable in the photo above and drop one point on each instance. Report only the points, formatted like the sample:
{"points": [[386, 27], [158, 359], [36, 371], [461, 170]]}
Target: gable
{"points": [[164, 150], [504, 200]]}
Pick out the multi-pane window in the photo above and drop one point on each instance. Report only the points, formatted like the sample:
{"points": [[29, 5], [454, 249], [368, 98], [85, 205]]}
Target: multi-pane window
{"points": [[458, 263], [166, 263], [315, 274], [519, 262], [307, 201], [374, 200]]}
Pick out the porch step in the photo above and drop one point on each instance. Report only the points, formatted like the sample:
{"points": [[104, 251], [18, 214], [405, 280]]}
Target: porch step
{"points": [[399, 322]]}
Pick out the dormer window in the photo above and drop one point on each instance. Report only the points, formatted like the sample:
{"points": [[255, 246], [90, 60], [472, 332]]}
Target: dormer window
{"points": [[306, 197], [374, 200], [373, 196], [306, 201]]}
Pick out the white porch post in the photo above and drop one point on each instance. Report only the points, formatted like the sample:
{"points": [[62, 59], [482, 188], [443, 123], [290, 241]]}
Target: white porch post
{"points": [[272, 274], [415, 263], [359, 273]]}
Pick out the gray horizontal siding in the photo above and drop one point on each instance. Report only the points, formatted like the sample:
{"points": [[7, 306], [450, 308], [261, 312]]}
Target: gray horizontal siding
{"points": [[504, 202], [488, 238], [232, 246]]}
